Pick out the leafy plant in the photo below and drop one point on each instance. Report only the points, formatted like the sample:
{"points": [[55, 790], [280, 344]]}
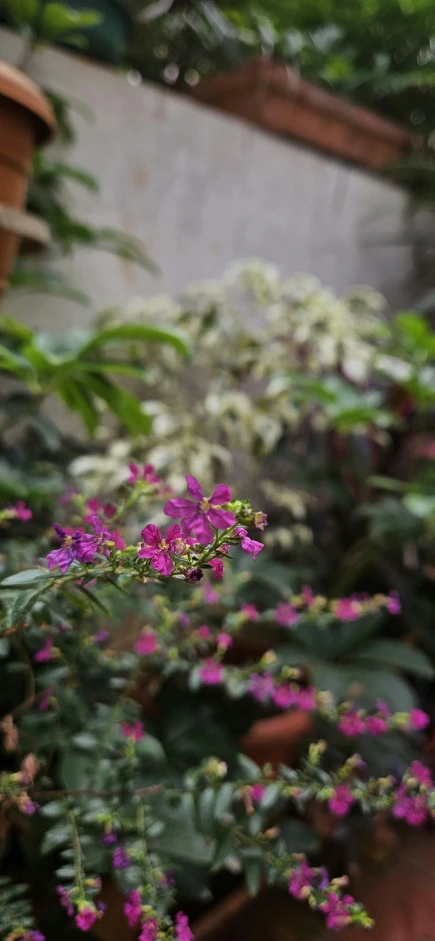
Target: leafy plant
{"points": [[79, 369], [87, 792]]}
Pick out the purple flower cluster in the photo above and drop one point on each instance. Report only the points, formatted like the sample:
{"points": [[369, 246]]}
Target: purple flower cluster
{"points": [[353, 722], [411, 797], [200, 514], [158, 548], [284, 695], [182, 929], [338, 909], [78, 546]]}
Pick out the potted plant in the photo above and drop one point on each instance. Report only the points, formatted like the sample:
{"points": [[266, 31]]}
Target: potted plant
{"points": [[27, 122], [275, 97]]}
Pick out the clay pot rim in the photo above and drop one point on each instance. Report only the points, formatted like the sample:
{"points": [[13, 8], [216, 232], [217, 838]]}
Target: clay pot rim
{"points": [[17, 87], [263, 75]]}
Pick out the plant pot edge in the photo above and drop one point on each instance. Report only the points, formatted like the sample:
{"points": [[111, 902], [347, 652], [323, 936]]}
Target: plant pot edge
{"points": [[274, 97]]}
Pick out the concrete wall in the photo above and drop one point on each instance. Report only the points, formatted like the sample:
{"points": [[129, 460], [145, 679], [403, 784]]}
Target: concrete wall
{"points": [[202, 189]]}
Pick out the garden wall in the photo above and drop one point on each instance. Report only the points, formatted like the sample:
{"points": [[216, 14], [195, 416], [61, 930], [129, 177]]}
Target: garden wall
{"points": [[202, 189]]}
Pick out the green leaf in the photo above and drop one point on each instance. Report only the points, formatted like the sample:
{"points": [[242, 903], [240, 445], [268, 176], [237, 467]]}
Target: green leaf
{"points": [[13, 327], [21, 604], [53, 809], [253, 875], [395, 654], [76, 396], [224, 799], [25, 579], [58, 19], [15, 364], [56, 837], [85, 741], [420, 505], [122, 403], [75, 768], [249, 769], [151, 749], [143, 332], [206, 810], [23, 12]]}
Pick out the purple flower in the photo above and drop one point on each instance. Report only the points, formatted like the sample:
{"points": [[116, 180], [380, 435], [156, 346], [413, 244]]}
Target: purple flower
{"points": [[201, 513], [120, 858], [146, 644], [46, 653], [86, 917], [211, 672], [250, 612], [376, 725], [147, 473], [65, 900], [182, 930], [308, 595], [195, 575], [132, 908], [347, 609], [248, 545], [133, 730], [158, 548], [92, 543], [257, 792], [337, 910], [224, 640], [423, 774], [34, 936], [210, 595], [419, 719], [30, 807], [69, 550], [21, 511], [284, 696], [351, 724], [101, 637], [260, 520], [300, 880], [393, 605], [149, 930], [286, 615], [109, 838], [218, 568], [341, 800], [261, 686], [411, 809], [307, 699], [118, 540]]}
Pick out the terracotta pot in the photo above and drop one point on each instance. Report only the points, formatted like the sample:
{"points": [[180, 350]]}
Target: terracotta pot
{"points": [[276, 98], [277, 740], [26, 122], [398, 893]]}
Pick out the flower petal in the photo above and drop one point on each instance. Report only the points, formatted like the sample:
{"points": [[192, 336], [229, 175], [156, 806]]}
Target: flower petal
{"points": [[173, 532], [178, 507], [202, 530], [194, 488], [222, 519], [162, 562], [221, 494], [151, 535]]}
